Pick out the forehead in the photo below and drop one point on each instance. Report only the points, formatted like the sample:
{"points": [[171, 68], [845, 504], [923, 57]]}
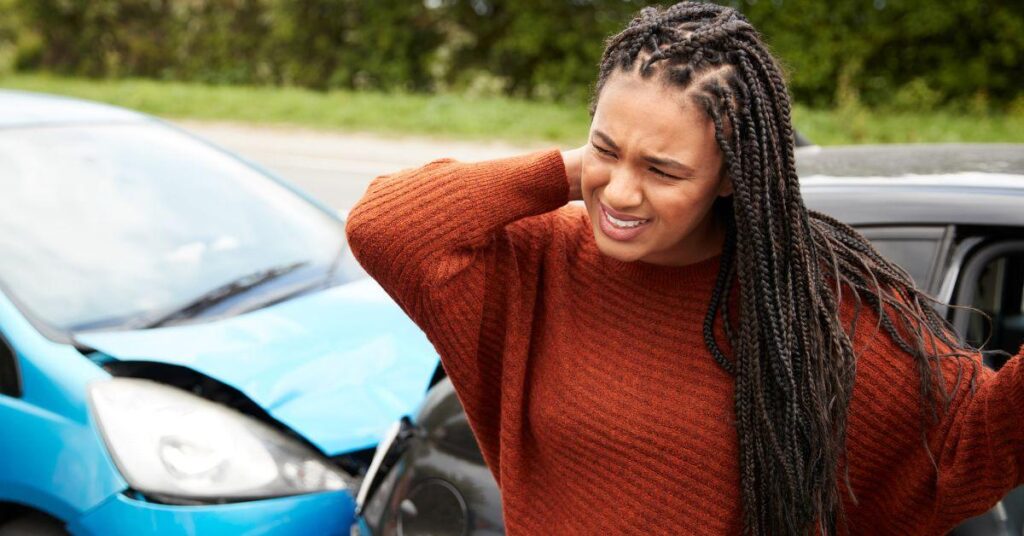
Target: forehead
{"points": [[656, 116]]}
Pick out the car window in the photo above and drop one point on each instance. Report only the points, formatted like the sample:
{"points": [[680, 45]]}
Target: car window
{"points": [[915, 249], [992, 281], [998, 291], [100, 224]]}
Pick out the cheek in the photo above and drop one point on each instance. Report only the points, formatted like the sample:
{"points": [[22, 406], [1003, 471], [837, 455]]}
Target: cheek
{"points": [[594, 173], [682, 205]]}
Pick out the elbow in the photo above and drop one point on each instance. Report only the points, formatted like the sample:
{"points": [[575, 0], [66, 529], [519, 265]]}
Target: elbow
{"points": [[374, 227], [360, 232], [355, 225], [388, 222], [364, 221]]}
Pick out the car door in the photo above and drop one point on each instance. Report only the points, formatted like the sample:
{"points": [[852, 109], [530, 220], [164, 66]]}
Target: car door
{"points": [[982, 269], [991, 280], [918, 249]]}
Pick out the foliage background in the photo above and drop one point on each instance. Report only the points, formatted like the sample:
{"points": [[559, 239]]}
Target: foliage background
{"points": [[909, 55]]}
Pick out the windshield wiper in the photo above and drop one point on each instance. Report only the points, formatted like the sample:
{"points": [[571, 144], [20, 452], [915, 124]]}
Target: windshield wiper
{"points": [[221, 293]]}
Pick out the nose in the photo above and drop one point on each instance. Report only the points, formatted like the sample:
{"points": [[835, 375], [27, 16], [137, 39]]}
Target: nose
{"points": [[624, 190]]}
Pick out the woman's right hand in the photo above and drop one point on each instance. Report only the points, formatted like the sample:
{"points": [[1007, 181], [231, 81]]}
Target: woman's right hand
{"points": [[573, 160]]}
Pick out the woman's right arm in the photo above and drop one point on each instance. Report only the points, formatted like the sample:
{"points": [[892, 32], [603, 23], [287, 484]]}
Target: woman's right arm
{"points": [[449, 241], [421, 227], [459, 247]]}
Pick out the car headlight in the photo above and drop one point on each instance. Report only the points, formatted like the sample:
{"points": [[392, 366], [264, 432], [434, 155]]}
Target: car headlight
{"points": [[167, 441]]}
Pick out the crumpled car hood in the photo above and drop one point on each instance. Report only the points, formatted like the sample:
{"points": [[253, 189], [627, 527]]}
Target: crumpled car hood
{"points": [[338, 366]]}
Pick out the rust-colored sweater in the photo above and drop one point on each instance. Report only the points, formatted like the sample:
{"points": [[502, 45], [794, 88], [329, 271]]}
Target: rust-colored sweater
{"points": [[588, 384]]}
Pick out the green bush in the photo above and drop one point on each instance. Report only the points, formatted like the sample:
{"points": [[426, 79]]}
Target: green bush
{"points": [[353, 44], [902, 54], [313, 43], [538, 48], [8, 45], [10, 35], [888, 48]]}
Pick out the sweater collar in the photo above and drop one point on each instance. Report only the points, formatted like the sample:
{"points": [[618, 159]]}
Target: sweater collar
{"points": [[698, 273]]}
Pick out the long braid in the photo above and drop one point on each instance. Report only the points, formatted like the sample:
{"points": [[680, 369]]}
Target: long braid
{"points": [[793, 359]]}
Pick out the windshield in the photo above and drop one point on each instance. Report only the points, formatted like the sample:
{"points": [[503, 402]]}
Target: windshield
{"points": [[101, 224]]}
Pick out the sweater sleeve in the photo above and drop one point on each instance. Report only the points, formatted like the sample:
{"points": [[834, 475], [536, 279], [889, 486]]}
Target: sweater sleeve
{"points": [[423, 226], [457, 246], [976, 445], [981, 457]]}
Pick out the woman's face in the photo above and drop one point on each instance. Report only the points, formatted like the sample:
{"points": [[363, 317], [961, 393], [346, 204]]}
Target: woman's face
{"points": [[651, 174]]}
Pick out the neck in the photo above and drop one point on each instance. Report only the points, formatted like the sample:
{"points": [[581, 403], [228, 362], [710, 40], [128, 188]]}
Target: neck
{"points": [[706, 241]]}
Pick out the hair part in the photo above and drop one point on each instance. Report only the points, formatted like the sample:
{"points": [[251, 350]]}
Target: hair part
{"points": [[794, 360]]}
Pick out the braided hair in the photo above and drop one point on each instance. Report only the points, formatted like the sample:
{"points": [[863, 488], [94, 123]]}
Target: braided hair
{"points": [[794, 364]]}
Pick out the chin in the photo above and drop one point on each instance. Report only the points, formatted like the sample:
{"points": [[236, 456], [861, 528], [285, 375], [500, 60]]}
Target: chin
{"points": [[616, 250]]}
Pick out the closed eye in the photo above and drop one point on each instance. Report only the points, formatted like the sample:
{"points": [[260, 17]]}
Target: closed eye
{"points": [[602, 150], [663, 174], [610, 154]]}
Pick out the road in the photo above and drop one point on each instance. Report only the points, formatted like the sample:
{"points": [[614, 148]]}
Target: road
{"points": [[337, 167]]}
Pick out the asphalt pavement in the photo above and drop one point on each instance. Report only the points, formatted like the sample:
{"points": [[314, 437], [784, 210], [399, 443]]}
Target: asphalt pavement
{"points": [[337, 167]]}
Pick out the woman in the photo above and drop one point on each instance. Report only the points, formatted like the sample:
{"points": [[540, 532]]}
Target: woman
{"points": [[680, 355]]}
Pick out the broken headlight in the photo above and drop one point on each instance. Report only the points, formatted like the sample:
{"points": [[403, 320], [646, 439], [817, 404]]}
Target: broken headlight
{"points": [[168, 442]]}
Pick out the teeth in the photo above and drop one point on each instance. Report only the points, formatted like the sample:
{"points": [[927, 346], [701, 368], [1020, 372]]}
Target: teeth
{"points": [[622, 223]]}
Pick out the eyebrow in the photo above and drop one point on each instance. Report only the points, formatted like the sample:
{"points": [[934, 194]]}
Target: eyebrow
{"points": [[656, 160]]}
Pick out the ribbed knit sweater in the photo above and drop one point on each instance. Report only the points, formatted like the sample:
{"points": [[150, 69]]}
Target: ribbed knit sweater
{"points": [[590, 390]]}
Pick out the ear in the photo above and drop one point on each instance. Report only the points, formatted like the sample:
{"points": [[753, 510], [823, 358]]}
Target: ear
{"points": [[724, 184], [725, 187]]}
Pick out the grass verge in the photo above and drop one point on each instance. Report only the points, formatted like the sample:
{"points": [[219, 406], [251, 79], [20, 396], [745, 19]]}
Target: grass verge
{"points": [[478, 118]]}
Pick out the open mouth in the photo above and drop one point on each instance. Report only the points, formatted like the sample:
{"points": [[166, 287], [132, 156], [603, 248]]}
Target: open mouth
{"points": [[625, 224], [619, 228]]}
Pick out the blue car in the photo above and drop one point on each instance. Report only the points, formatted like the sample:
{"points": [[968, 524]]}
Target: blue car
{"points": [[187, 345]]}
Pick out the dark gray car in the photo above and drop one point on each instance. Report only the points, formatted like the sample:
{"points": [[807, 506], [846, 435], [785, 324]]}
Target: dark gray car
{"points": [[951, 215]]}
